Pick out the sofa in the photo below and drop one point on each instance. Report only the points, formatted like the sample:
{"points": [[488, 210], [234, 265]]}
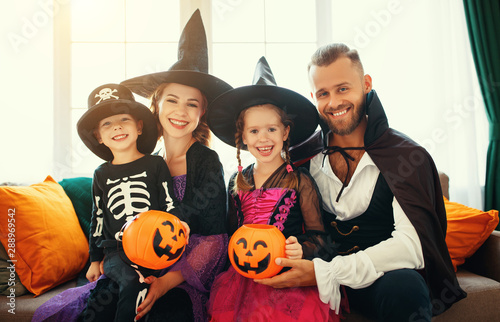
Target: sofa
{"points": [[479, 275]]}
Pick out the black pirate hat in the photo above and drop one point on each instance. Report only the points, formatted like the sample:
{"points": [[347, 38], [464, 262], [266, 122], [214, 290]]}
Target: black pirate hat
{"points": [[191, 69], [224, 111], [111, 99]]}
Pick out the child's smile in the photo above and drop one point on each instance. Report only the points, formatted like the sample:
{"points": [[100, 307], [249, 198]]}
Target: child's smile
{"points": [[119, 132], [120, 137], [265, 151], [263, 134]]}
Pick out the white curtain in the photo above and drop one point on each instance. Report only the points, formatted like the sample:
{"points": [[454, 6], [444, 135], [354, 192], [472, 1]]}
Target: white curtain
{"points": [[418, 55]]}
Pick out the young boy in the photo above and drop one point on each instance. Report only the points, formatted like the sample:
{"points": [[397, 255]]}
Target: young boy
{"points": [[131, 181]]}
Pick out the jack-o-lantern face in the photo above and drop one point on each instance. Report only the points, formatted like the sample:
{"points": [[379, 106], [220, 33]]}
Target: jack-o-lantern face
{"points": [[253, 249], [161, 244], [154, 239]]}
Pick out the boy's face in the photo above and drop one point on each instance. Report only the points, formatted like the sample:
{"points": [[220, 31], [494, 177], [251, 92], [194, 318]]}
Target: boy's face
{"points": [[119, 133]]}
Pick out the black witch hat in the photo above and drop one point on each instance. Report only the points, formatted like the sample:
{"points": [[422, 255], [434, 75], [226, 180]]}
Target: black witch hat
{"points": [[224, 111], [191, 69]]}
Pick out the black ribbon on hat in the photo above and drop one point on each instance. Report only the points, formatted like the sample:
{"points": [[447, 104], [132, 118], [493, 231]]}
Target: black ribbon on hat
{"points": [[331, 150]]}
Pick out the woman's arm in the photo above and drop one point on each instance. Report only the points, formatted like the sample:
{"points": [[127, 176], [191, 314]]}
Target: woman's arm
{"points": [[205, 200], [159, 287], [204, 258]]}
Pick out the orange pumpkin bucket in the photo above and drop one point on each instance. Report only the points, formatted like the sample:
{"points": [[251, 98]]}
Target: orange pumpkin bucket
{"points": [[154, 239], [253, 249]]}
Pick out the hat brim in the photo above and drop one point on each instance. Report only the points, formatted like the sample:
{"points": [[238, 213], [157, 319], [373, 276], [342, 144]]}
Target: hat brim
{"points": [[146, 142], [224, 111], [209, 85]]}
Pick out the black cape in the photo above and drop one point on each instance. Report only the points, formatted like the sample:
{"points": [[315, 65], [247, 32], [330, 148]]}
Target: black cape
{"points": [[413, 179]]}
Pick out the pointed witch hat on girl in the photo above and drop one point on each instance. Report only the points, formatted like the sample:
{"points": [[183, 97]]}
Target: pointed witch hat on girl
{"points": [[224, 111], [191, 69]]}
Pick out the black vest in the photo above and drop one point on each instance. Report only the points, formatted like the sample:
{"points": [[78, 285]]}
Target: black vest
{"points": [[370, 228]]}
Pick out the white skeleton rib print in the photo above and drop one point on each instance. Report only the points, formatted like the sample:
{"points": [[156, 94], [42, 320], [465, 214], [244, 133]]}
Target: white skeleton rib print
{"points": [[121, 196]]}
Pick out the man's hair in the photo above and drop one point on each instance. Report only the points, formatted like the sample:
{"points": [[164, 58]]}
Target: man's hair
{"points": [[327, 54]]}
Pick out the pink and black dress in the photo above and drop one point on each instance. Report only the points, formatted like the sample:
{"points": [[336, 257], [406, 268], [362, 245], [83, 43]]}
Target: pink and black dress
{"points": [[295, 213]]}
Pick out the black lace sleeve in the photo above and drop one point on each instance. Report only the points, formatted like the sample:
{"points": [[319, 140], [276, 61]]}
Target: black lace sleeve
{"points": [[314, 240]]}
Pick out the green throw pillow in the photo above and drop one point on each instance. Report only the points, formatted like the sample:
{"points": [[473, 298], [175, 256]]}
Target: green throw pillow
{"points": [[79, 191]]}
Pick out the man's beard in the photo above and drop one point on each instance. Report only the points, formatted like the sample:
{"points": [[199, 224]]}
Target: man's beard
{"points": [[352, 123]]}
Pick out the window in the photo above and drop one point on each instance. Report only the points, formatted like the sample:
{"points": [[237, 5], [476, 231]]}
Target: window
{"points": [[56, 52], [121, 44], [243, 31]]}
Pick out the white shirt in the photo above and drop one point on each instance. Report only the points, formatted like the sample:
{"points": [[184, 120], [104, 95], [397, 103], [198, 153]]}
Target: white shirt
{"points": [[359, 270]]}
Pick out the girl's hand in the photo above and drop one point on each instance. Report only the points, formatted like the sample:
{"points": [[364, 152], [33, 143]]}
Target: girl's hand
{"points": [[188, 231], [94, 271], [293, 250]]}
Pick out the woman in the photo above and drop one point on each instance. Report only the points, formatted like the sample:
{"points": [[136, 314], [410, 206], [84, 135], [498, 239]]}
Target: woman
{"points": [[179, 98], [199, 187]]}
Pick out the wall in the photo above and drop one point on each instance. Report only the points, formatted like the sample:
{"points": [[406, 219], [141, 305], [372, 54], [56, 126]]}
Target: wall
{"points": [[26, 81]]}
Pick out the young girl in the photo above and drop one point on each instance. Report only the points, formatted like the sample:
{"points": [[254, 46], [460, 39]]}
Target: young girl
{"points": [[270, 191]]}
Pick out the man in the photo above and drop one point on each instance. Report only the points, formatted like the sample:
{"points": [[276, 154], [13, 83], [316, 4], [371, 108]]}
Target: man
{"points": [[382, 200]]}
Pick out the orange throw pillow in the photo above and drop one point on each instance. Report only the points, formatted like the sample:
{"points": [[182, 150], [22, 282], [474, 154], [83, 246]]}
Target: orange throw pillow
{"points": [[41, 234], [468, 229]]}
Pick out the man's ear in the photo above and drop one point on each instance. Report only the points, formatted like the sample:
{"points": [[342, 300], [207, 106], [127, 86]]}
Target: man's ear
{"points": [[367, 83], [140, 125]]}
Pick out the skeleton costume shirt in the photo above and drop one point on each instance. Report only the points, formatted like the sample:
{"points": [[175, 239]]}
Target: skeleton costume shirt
{"points": [[123, 191]]}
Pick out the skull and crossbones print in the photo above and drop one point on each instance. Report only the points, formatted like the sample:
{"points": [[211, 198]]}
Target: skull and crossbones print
{"points": [[106, 94]]}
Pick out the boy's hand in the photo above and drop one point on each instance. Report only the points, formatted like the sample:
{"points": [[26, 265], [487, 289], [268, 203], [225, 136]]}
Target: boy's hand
{"points": [[94, 271], [293, 250]]}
